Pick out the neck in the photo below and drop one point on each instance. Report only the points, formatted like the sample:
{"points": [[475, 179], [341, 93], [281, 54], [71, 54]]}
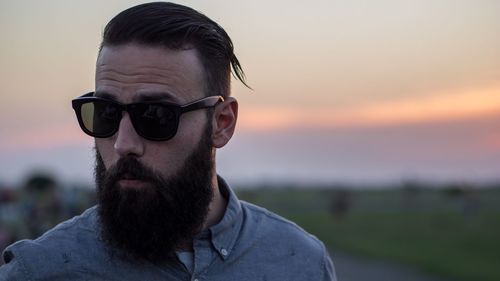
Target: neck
{"points": [[217, 207], [216, 211]]}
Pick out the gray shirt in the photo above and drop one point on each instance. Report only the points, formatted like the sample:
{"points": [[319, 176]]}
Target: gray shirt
{"points": [[249, 243]]}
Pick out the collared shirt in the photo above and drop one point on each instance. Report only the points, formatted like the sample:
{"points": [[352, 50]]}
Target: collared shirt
{"points": [[249, 243]]}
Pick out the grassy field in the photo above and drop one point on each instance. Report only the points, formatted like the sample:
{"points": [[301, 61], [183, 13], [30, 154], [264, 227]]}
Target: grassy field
{"points": [[451, 232]]}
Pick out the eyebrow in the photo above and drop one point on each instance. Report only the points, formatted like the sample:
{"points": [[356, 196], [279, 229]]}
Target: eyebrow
{"points": [[156, 96], [105, 95], [143, 97]]}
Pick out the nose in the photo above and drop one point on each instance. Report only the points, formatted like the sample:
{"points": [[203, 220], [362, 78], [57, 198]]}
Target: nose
{"points": [[128, 142]]}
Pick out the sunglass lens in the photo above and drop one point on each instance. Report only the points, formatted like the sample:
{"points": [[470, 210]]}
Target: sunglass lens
{"points": [[100, 118], [155, 121]]}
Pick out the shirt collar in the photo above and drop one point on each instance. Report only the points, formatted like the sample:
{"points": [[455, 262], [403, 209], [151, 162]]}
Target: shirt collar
{"points": [[225, 233]]}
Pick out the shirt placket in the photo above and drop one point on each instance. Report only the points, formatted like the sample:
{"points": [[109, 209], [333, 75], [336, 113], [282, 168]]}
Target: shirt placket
{"points": [[203, 258]]}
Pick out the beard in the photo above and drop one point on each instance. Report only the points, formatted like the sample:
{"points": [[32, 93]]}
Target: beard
{"points": [[151, 222]]}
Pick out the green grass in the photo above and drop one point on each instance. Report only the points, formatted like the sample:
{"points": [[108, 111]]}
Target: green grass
{"points": [[428, 229]]}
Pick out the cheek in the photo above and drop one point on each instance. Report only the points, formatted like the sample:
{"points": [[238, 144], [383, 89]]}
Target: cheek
{"points": [[171, 155], [105, 147], [167, 157], [192, 127]]}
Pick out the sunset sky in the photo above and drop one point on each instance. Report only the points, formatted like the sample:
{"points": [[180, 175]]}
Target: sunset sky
{"points": [[343, 91]]}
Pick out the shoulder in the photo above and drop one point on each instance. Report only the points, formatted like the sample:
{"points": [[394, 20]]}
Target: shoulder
{"points": [[280, 231], [70, 242], [76, 232], [279, 243]]}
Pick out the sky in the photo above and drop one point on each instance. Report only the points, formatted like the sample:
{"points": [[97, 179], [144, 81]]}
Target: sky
{"points": [[343, 91]]}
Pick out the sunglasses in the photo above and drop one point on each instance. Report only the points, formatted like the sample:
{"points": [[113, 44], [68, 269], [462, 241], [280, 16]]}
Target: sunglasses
{"points": [[156, 121]]}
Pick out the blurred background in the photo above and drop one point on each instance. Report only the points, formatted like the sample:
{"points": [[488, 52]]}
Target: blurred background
{"points": [[375, 125]]}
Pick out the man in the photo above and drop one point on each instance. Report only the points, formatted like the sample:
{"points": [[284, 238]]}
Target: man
{"points": [[160, 109]]}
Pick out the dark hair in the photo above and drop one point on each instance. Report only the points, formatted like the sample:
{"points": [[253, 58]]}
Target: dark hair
{"points": [[179, 27]]}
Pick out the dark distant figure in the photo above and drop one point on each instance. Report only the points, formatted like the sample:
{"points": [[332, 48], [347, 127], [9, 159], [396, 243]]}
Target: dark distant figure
{"points": [[411, 191], [471, 202], [42, 204], [160, 109], [340, 203]]}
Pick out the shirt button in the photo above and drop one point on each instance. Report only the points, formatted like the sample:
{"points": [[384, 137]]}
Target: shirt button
{"points": [[223, 252]]}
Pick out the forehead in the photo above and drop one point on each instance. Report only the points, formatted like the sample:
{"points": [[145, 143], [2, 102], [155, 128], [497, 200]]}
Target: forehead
{"points": [[131, 72]]}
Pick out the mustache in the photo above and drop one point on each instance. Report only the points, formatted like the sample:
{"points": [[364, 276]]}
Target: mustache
{"points": [[130, 168]]}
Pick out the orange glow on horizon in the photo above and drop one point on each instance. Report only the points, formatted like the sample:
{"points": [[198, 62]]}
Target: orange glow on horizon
{"points": [[46, 138], [436, 107], [492, 142]]}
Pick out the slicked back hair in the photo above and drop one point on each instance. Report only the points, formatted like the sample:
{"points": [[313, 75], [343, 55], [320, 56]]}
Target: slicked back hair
{"points": [[177, 27]]}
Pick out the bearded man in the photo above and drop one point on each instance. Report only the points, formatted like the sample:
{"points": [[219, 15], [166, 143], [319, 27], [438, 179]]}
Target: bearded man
{"points": [[160, 109]]}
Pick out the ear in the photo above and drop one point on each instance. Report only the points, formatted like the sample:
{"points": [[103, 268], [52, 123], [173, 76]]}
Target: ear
{"points": [[224, 122]]}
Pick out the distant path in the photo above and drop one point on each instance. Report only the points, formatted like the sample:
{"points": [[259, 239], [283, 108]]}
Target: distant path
{"points": [[351, 268]]}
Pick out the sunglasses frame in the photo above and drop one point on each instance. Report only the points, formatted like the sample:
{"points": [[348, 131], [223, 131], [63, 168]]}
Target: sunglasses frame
{"points": [[178, 110]]}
